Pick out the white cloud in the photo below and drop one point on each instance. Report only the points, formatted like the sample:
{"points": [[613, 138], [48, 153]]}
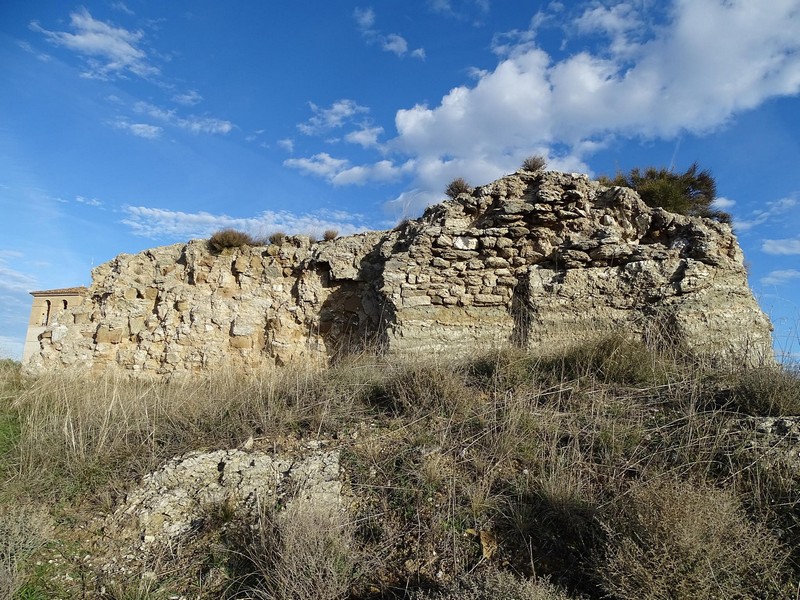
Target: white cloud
{"points": [[651, 82], [190, 98], [446, 7], [42, 56], [325, 119], [122, 7], [322, 165], [687, 77], [160, 223], [193, 124], [787, 246], [12, 280], [780, 277], [648, 78], [287, 144], [142, 130], [381, 171], [339, 171], [365, 18], [722, 203], [205, 125], [109, 51], [621, 23], [366, 137], [88, 201], [768, 213], [393, 42]]}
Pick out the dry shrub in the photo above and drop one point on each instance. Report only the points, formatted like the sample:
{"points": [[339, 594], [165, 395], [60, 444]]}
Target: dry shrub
{"points": [[676, 540], [768, 391], [494, 585], [534, 163], [330, 234], [305, 551], [456, 187], [230, 238], [277, 238]]}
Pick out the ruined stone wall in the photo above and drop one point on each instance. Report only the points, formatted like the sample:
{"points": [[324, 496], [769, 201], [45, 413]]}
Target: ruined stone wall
{"points": [[541, 259]]}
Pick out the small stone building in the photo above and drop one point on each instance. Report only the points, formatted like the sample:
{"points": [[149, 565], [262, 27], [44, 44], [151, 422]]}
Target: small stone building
{"points": [[48, 305]]}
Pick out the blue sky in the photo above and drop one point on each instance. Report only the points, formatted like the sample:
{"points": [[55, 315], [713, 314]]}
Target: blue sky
{"points": [[126, 125]]}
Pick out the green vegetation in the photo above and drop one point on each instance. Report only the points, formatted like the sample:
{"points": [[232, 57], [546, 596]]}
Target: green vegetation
{"points": [[456, 187], [606, 470], [689, 193]]}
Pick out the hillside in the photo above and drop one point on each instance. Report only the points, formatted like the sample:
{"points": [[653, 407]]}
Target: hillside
{"points": [[609, 470]]}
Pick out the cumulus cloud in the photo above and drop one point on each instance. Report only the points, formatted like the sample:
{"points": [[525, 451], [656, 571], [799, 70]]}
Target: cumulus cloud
{"points": [[366, 137], [781, 277], [109, 51], [786, 246], [326, 119], [637, 76], [287, 144], [165, 224]]}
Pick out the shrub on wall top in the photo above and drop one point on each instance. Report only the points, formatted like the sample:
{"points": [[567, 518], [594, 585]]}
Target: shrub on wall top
{"points": [[230, 238]]}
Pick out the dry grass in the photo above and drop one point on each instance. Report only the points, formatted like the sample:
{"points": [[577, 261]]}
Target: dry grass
{"points": [[305, 551], [494, 585], [575, 465], [23, 530], [680, 540]]}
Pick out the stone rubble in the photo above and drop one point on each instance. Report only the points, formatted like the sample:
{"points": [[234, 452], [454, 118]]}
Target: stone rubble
{"points": [[541, 260]]}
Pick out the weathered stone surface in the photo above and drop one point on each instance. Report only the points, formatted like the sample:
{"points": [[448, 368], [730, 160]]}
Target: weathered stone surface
{"points": [[540, 260], [193, 493]]}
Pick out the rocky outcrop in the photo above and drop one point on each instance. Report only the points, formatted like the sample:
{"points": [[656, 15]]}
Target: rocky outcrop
{"points": [[541, 260], [176, 508]]}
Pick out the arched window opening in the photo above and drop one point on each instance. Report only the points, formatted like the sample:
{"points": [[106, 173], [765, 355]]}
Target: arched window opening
{"points": [[65, 304], [46, 316]]}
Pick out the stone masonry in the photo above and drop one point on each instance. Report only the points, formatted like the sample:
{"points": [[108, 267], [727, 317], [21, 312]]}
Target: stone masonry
{"points": [[538, 259]]}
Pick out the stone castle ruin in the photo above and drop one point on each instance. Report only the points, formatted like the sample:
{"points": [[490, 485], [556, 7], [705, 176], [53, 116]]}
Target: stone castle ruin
{"points": [[537, 259]]}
